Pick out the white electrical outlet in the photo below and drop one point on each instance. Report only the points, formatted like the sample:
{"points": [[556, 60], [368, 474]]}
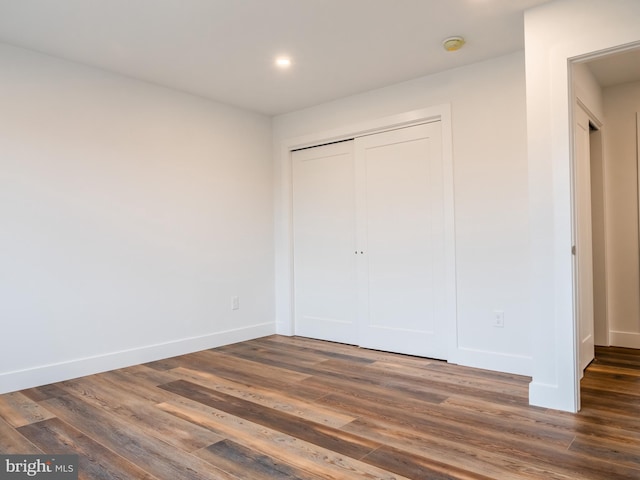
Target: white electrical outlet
{"points": [[235, 303], [498, 318]]}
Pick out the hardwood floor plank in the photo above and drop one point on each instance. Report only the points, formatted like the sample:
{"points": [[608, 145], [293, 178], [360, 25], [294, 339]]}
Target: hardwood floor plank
{"points": [[595, 424], [468, 378], [463, 426], [165, 364], [255, 350], [338, 376], [17, 410], [277, 401], [98, 391], [526, 446], [619, 384], [298, 360], [250, 373], [337, 351], [422, 414], [614, 402], [594, 415], [13, 442], [618, 356], [321, 435], [339, 372], [38, 394], [613, 370], [146, 376], [415, 466], [303, 455], [538, 458], [614, 452], [330, 379], [370, 375], [493, 463], [94, 460], [247, 463], [152, 455], [143, 390], [479, 373], [215, 360]]}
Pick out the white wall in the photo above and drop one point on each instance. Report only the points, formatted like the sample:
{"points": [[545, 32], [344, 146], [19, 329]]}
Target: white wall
{"points": [[621, 104], [130, 215], [490, 181], [555, 33]]}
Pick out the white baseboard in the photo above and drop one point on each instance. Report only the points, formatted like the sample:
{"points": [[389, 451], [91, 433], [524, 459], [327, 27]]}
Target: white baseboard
{"points": [[624, 339], [488, 360], [46, 374]]}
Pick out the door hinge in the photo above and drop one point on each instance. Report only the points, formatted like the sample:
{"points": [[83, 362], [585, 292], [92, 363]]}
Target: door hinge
{"points": [[573, 250]]}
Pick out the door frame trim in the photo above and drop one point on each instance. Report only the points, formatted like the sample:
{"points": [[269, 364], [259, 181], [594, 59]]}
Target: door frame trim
{"points": [[284, 226]]}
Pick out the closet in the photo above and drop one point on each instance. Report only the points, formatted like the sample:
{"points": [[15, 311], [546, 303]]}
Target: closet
{"points": [[369, 241]]}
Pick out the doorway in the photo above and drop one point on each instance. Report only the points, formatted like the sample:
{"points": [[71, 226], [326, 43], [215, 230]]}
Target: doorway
{"points": [[614, 201]]}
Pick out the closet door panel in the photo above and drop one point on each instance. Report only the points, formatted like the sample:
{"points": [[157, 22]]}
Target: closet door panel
{"points": [[324, 243], [400, 230]]}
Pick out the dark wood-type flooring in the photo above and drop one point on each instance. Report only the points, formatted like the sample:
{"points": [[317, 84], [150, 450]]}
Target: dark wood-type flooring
{"points": [[294, 408]]}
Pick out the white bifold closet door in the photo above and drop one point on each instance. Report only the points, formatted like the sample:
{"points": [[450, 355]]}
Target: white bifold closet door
{"points": [[369, 260]]}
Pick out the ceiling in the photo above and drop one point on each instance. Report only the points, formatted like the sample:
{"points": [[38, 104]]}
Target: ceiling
{"points": [[616, 68], [225, 49]]}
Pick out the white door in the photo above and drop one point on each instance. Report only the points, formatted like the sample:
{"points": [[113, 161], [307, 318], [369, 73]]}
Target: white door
{"points": [[324, 243], [584, 236], [400, 212]]}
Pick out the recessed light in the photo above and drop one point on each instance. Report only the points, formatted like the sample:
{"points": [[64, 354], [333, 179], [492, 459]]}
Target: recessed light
{"points": [[283, 62]]}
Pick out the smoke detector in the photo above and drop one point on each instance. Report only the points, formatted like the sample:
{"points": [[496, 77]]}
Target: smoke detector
{"points": [[452, 44]]}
